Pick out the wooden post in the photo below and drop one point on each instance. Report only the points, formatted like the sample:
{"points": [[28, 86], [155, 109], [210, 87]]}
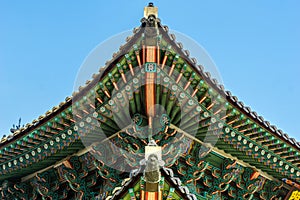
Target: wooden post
{"points": [[150, 84]]}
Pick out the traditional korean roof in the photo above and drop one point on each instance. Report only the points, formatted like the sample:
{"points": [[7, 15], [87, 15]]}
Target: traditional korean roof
{"points": [[242, 133], [191, 176]]}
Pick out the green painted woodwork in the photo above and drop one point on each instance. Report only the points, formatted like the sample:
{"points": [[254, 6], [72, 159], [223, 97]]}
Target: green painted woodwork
{"points": [[56, 136], [28, 140], [91, 179], [168, 192]]}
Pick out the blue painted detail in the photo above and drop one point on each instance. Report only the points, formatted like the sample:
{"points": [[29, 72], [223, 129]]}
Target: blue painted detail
{"points": [[150, 67]]}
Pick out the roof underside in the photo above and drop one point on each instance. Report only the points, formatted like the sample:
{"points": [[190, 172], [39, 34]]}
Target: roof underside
{"points": [[240, 131]]}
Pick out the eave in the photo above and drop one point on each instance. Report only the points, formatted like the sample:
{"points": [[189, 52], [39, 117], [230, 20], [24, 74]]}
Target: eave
{"points": [[234, 139]]}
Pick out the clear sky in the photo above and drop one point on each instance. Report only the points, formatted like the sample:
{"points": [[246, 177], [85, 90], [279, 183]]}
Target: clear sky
{"points": [[255, 44]]}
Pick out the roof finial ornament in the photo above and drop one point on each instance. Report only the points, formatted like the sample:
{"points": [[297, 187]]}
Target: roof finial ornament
{"points": [[152, 162], [150, 10], [16, 127]]}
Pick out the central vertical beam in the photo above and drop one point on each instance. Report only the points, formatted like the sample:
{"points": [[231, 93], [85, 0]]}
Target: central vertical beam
{"points": [[150, 84], [152, 196]]}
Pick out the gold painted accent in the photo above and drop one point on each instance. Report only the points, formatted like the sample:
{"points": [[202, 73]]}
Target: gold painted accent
{"points": [[142, 195], [67, 164], [218, 111], [138, 59], [131, 69], [164, 62], [151, 196], [98, 99], [159, 195], [195, 92], [150, 10], [178, 78], [254, 175], [187, 85], [150, 53], [123, 77], [211, 105], [107, 94], [295, 195], [202, 99], [223, 118], [158, 54], [171, 70], [115, 85]]}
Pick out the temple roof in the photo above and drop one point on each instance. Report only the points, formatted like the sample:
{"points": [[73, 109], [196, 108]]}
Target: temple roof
{"points": [[246, 135]]}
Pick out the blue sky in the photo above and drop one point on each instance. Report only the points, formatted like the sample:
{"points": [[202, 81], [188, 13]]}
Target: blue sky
{"points": [[255, 44]]}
